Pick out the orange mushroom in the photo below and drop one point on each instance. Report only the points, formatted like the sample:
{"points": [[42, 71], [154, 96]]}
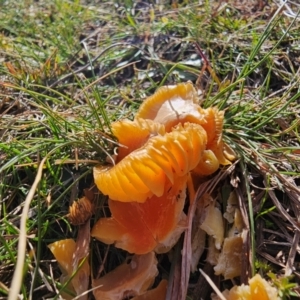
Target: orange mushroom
{"points": [[208, 164], [145, 171], [63, 252], [143, 227], [170, 137], [132, 278], [258, 289]]}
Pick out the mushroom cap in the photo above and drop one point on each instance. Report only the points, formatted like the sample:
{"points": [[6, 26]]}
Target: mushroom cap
{"points": [[208, 164], [61, 251], [171, 105], [145, 171], [132, 278], [258, 289], [64, 251], [261, 289], [132, 135], [143, 227]]}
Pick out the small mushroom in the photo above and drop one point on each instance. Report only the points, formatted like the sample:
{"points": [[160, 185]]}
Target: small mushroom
{"points": [[207, 165], [258, 289], [132, 278], [63, 251], [139, 228]]}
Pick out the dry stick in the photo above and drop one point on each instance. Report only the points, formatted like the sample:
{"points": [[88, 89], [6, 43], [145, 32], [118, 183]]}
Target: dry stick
{"points": [[289, 268], [191, 189], [207, 66], [293, 250], [186, 252], [18, 273]]}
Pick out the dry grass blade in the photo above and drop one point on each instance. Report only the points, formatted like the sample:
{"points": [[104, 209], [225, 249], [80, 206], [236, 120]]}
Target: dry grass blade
{"points": [[214, 287], [247, 262], [289, 268], [175, 275], [187, 250], [82, 243], [18, 273]]}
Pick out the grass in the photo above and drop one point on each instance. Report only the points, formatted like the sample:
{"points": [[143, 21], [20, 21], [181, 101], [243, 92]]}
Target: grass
{"points": [[68, 69]]}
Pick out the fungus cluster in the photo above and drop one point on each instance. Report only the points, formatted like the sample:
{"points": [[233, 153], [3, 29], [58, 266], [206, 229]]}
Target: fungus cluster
{"points": [[170, 137], [171, 140]]}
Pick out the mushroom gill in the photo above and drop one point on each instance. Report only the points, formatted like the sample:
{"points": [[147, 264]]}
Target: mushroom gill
{"points": [[143, 227], [132, 278], [131, 135], [145, 171]]}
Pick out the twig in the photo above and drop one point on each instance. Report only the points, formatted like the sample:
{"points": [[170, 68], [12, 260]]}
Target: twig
{"points": [[18, 273], [289, 268]]}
